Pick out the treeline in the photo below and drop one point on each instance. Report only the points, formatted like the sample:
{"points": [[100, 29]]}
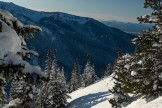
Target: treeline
{"points": [[77, 79]]}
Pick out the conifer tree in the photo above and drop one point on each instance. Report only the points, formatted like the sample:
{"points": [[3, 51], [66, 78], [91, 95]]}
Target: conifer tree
{"points": [[56, 92], [149, 51], [76, 78], [89, 72], [108, 70], [48, 62], [144, 72], [63, 78], [123, 81], [14, 67]]}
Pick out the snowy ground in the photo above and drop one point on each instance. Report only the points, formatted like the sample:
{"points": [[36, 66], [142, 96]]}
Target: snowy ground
{"points": [[94, 96], [97, 95]]}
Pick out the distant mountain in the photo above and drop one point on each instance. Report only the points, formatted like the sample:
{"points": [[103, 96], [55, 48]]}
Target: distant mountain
{"points": [[133, 28], [73, 37]]}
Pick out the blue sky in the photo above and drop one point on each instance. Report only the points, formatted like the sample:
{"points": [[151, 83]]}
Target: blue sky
{"points": [[122, 10]]}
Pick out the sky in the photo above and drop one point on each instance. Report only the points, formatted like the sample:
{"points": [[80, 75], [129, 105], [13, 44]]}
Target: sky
{"points": [[120, 10]]}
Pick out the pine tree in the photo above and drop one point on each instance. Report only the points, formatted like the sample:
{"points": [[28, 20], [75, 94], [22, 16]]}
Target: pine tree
{"points": [[76, 80], [55, 67], [149, 51], [123, 81], [93, 73], [108, 70], [82, 81], [63, 78], [143, 73], [89, 72], [48, 62], [56, 92]]}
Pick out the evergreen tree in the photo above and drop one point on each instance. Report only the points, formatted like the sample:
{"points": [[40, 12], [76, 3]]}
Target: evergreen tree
{"points": [[82, 81], [89, 73], [143, 73], [63, 78], [149, 51], [48, 62], [108, 70], [123, 81], [55, 91], [55, 67], [76, 79], [14, 67]]}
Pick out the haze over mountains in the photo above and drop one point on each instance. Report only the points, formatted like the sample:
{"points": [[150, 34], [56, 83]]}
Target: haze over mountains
{"points": [[132, 28], [73, 37]]}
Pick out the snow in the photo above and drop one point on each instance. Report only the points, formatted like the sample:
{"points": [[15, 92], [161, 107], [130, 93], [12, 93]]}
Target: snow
{"points": [[97, 95], [154, 86], [127, 66], [150, 17], [156, 45], [32, 26], [157, 103], [14, 102], [37, 16], [4, 106], [9, 41], [67, 17], [133, 73], [11, 44], [94, 96], [140, 62]]}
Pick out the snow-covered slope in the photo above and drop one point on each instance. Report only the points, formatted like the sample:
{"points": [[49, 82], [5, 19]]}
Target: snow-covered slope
{"points": [[97, 95], [94, 96]]}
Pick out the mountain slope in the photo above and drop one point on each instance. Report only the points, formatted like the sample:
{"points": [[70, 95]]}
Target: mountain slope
{"points": [[97, 95], [93, 96], [73, 37]]}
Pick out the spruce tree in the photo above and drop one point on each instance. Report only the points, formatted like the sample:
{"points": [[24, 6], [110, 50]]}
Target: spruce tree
{"points": [[122, 82], [108, 70], [143, 73], [56, 92], [48, 62], [76, 80], [89, 73], [149, 51]]}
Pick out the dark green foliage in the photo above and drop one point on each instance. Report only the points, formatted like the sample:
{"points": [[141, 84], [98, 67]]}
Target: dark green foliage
{"points": [[142, 72]]}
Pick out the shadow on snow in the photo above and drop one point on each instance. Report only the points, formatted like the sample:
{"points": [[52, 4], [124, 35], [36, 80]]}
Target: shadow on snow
{"points": [[89, 100]]}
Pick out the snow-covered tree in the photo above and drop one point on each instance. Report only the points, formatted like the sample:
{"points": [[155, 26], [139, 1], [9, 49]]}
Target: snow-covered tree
{"points": [[55, 91], [76, 80], [108, 70], [14, 53], [48, 62], [143, 73], [149, 51], [89, 73], [123, 81], [63, 78], [55, 67]]}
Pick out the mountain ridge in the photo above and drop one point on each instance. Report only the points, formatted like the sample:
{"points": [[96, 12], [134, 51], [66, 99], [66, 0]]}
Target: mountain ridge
{"points": [[73, 37], [129, 27]]}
